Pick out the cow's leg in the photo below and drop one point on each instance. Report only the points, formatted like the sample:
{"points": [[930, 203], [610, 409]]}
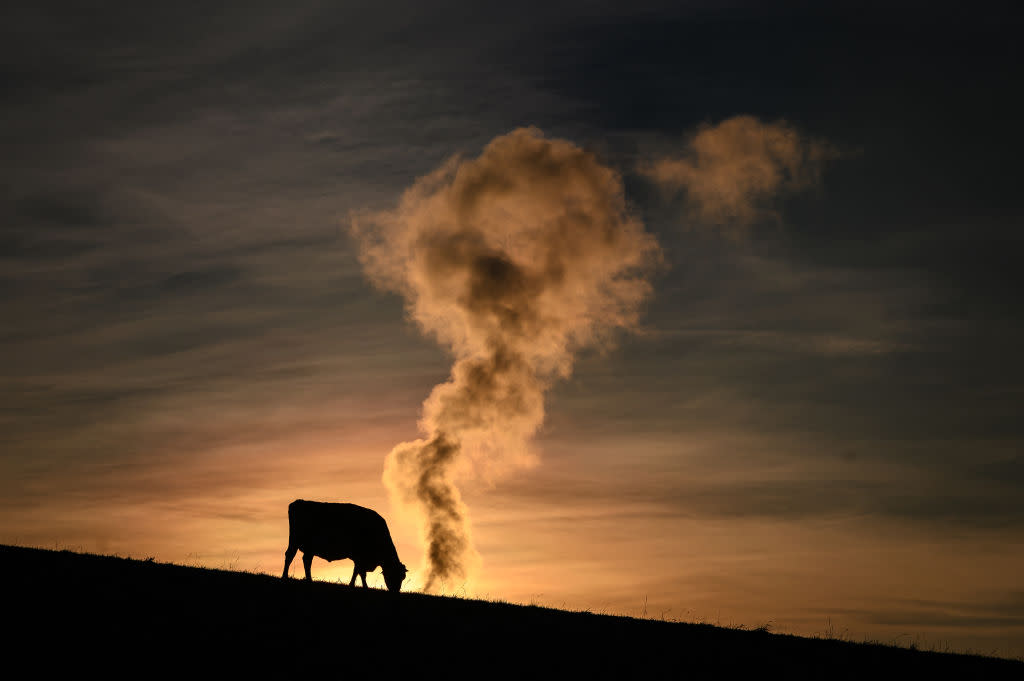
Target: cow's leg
{"points": [[362, 575], [355, 573], [307, 562], [289, 554]]}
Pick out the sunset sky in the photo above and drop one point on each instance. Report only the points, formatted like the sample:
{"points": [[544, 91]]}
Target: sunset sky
{"points": [[803, 407]]}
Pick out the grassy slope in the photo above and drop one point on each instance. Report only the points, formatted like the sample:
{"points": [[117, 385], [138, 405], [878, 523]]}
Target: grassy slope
{"points": [[103, 612]]}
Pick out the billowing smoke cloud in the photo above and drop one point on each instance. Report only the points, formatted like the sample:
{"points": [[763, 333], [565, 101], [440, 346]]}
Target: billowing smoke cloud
{"points": [[731, 171], [513, 260]]}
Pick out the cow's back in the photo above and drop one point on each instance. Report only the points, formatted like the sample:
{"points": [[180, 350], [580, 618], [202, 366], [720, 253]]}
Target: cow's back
{"points": [[335, 531]]}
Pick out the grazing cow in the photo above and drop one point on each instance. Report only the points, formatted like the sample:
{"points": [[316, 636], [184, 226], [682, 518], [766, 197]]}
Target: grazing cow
{"points": [[338, 531]]}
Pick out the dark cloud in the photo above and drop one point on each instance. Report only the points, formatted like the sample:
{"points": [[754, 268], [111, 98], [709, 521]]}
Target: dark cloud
{"points": [[72, 208], [1005, 613], [23, 246], [787, 477]]}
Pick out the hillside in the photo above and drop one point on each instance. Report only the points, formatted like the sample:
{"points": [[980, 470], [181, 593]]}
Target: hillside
{"points": [[87, 611]]}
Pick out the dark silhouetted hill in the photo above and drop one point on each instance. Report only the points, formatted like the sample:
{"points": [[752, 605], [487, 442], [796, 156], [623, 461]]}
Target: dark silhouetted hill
{"points": [[135, 618]]}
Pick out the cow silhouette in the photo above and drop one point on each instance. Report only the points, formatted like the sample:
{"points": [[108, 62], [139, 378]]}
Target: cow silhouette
{"points": [[339, 531]]}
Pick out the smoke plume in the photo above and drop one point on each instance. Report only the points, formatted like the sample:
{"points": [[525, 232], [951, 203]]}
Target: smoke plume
{"points": [[513, 261], [732, 170]]}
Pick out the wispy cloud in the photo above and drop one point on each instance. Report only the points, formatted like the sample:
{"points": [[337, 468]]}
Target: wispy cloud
{"points": [[733, 171]]}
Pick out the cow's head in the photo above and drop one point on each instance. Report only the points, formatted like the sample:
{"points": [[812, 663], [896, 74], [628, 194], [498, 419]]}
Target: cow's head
{"points": [[394, 575]]}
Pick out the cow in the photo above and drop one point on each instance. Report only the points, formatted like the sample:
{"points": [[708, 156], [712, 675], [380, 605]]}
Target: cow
{"points": [[339, 531]]}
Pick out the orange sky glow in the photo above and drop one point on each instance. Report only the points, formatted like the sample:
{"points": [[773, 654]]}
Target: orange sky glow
{"points": [[567, 548]]}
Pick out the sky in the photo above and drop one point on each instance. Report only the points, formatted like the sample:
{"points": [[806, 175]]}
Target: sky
{"points": [[785, 389]]}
